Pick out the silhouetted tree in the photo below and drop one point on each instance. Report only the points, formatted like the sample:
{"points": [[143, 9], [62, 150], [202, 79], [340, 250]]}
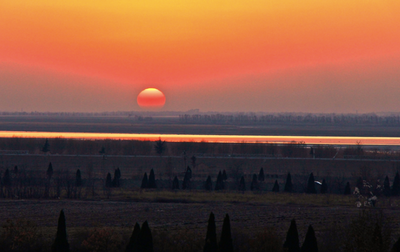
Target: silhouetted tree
{"points": [[61, 242], [152, 180], [208, 185], [133, 241], [15, 170], [108, 180], [292, 238], [276, 186], [226, 243], [102, 151], [347, 190], [46, 146], [211, 237], [242, 184], [261, 176], [189, 172], [186, 184], [310, 242], [117, 176], [396, 185], [193, 159], [311, 184], [288, 184], [219, 185], [49, 171], [224, 176], [175, 183], [386, 187], [145, 239], [78, 178], [159, 146], [324, 187], [145, 182], [254, 183]]}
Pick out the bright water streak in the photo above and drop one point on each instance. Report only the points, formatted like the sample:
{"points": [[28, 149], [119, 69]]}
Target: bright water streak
{"points": [[329, 140]]}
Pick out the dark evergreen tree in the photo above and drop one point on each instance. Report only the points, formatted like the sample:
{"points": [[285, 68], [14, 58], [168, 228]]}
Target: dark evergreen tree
{"points": [[347, 190], [186, 184], [310, 242], [15, 170], [386, 187], [261, 176], [102, 151], [49, 171], [145, 182], [61, 242], [152, 180], [292, 238], [224, 176], [78, 178], [7, 178], [208, 185], [211, 237], [288, 184], [46, 146], [133, 241], [254, 184], [175, 183], [159, 146], [324, 187], [360, 185], [219, 185], [145, 239], [226, 243], [396, 246], [108, 180], [189, 172], [396, 185], [311, 184], [117, 176], [193, 159], [276, 186], [242, 184]]}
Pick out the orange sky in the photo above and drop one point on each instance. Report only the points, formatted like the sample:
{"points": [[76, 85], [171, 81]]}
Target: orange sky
{"points": [[205, 47]]}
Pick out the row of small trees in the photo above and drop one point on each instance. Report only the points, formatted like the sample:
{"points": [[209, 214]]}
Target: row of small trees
{"points": [[14, 183]]}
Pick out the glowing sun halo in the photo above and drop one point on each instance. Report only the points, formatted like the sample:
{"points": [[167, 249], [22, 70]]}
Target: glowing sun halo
{"points": [[151, 98]]}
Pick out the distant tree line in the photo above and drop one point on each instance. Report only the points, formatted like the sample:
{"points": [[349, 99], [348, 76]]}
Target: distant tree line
{"points": [[253, 118], [55, 183]]}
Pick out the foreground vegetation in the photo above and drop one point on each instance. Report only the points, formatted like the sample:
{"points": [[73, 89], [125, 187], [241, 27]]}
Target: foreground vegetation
{"points": [[371, 231]]}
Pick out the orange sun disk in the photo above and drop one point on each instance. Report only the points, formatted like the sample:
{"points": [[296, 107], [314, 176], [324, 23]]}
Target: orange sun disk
{"points": [[151, 98]]}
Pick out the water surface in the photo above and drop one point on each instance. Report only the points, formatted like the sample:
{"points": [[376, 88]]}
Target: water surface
{"points": [[329, 140]]}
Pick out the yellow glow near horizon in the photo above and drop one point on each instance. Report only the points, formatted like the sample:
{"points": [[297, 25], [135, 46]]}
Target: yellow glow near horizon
{"points": [[323, 140]]}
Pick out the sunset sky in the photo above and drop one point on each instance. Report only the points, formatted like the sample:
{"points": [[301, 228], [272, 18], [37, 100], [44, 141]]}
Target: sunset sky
{"points": [[243, 55]]}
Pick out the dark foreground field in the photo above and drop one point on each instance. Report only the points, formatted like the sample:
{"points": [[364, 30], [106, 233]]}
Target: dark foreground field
{"points": [[187, 222]]}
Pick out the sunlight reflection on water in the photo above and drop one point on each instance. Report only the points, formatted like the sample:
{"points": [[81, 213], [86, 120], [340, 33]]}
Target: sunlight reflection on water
{"points": [[330, 140]]}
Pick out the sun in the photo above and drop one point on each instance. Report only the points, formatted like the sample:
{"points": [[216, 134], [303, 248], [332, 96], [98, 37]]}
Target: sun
{"points": [[151, 98]]}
